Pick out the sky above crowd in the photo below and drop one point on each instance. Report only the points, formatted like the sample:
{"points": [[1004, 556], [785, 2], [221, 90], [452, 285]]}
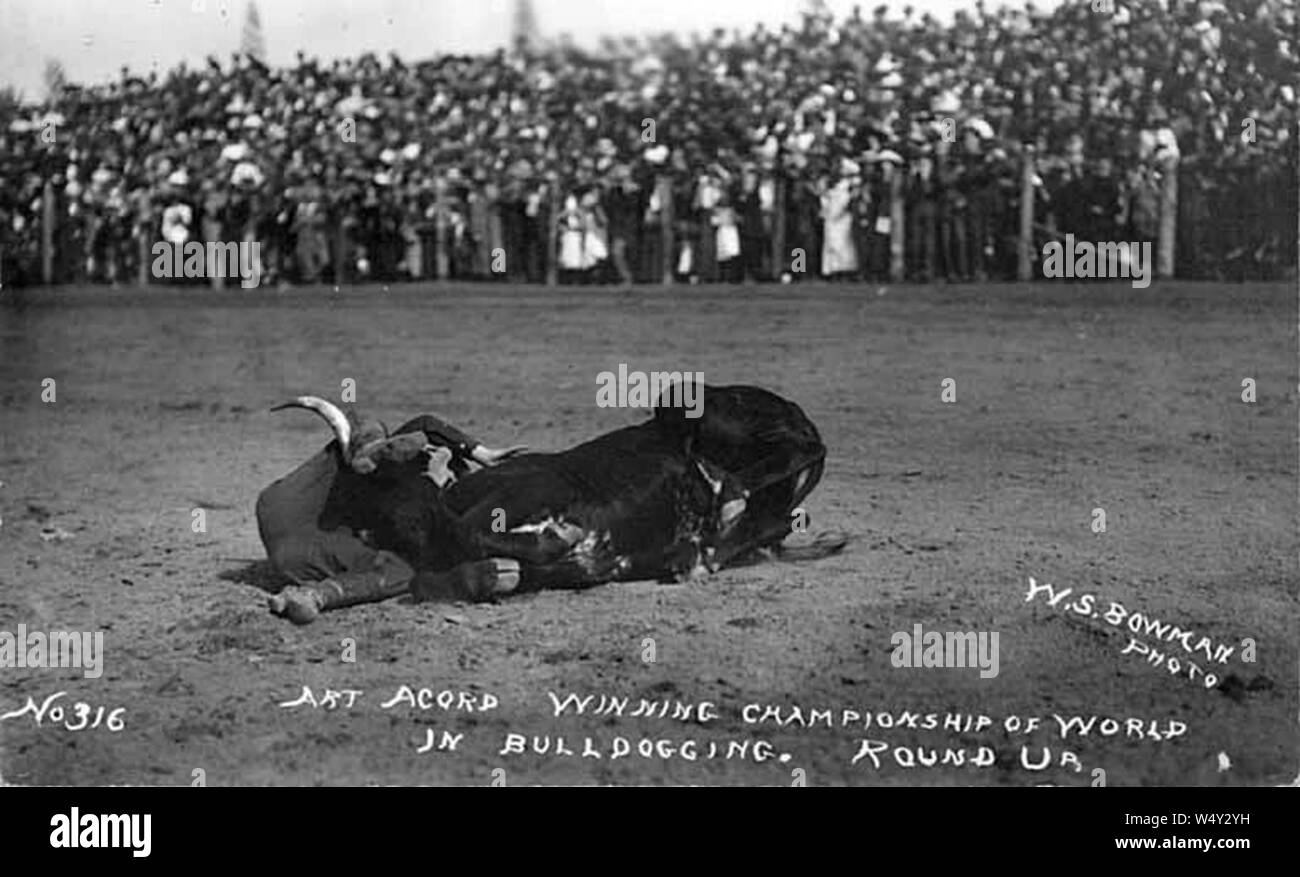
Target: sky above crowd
{"points": [[93, 39]]}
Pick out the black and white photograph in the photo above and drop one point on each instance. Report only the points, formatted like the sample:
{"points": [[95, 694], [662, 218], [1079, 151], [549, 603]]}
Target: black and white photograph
{"points": [[649, 393]]}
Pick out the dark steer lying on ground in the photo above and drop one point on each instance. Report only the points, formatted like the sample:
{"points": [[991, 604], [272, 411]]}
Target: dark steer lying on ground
{"points": [[428, 510]]}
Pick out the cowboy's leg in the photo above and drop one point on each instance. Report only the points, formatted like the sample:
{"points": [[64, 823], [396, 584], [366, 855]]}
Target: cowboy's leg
{"points": [[367, 575], [440, 433]]}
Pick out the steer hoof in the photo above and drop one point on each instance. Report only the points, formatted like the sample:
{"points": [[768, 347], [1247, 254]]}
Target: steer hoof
{"points": [[507, 577], [476, 581], [299, 605], [823, 545]]}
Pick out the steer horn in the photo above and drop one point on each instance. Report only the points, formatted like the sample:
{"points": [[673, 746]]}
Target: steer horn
{"points": [[491, 456], [337, 420]]}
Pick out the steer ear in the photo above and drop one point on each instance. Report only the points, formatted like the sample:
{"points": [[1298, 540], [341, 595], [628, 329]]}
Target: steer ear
{"points": [[368, 440]]}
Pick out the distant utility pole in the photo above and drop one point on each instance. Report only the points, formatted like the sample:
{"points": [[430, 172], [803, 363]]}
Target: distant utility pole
{"points": [[524, 36], [251, 43], [55, 78]]}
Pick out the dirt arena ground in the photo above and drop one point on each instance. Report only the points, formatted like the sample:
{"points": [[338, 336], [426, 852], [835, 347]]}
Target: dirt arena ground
{"points": [[1068, 399]]}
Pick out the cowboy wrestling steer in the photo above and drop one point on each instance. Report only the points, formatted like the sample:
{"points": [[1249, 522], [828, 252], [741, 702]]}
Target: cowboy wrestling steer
{"points": [[374, 515]]}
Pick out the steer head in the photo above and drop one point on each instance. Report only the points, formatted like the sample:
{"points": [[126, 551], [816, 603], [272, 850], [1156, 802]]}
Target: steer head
{"points": [[366, 447], [363, 443], [388, 488]]}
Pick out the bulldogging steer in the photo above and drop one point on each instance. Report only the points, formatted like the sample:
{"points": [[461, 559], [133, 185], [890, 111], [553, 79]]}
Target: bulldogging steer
{"points": [[430, 511]]}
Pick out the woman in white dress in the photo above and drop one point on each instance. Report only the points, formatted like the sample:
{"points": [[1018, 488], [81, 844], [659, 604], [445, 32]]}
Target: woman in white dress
{"points": [[571, 224], [727, 240], [839, 253]]}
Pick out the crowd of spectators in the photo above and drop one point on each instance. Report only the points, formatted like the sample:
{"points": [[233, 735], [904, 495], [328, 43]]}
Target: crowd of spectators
{"points": [[764, 155]]}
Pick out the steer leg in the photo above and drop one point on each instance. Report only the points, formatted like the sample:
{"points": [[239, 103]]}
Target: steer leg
{"points": [[547, 558], [734, 551], [568, 576], [553, 554], [475, 581]]}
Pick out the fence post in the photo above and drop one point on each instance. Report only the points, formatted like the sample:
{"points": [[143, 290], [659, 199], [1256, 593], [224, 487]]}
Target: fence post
{"points": [[413, 250], [146, 229], [666, 221], [549, 232], [340, 251], [1168, 219], [441, 267], [47, 233], [144, 252], [255, 248], [1025, 242], [897, 227], [780, 258], [214, 257]]}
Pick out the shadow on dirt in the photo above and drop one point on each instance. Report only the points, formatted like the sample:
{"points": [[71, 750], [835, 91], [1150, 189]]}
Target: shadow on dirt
{"points": [[258, 573]]}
